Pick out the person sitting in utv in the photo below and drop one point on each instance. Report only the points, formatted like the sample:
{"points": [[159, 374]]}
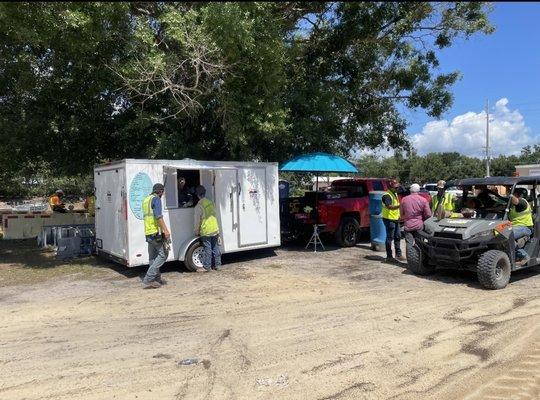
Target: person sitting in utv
{"points": [[489, 198], [522, 221]]}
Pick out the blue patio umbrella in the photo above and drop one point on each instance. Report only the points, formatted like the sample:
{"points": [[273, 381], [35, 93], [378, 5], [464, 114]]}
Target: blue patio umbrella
{"points": [[318, 163]]}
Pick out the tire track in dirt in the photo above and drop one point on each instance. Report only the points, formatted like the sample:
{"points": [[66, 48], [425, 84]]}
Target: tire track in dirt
{"points": [[519, 382]]}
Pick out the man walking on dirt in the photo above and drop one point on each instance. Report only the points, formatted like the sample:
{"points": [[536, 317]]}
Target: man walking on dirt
{"points": [[157, 237], [391, 215], [207, 227], [414, 211]]}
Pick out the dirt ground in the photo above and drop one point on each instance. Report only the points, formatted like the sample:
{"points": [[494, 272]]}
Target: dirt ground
{"points": [[283, 324]]}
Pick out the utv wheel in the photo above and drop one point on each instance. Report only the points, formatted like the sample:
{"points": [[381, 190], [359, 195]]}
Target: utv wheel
{"points": [[347, 233], [494, 269], [194, 254], [417, 261]]}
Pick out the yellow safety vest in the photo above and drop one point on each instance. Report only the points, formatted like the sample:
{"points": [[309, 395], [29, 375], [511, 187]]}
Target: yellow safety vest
{"points": [[209, 223], [391, 214], [151, 226], [448, 202], [92, 205], [523, 218]]}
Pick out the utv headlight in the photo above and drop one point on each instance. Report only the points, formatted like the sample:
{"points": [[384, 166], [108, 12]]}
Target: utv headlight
{"points": [[482, 235]]}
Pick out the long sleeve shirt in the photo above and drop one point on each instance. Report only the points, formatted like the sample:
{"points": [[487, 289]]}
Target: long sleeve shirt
{"points": [[198, 212], [414, 211]]}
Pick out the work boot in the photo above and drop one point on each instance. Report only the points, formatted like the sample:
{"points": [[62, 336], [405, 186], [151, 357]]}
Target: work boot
{"points": [[151, 285], [216, 268], [401, 258], [161, 281]]}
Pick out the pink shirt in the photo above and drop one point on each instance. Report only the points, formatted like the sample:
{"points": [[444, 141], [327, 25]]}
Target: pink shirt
{"points": [[414, 211]]}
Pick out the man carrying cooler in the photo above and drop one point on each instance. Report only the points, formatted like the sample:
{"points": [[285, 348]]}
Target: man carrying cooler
{"points": [[157, 237], [206, 226], [391, 214]]}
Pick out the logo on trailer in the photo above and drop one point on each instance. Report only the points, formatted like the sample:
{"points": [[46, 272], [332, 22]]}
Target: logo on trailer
{"points": [[141, 186]]}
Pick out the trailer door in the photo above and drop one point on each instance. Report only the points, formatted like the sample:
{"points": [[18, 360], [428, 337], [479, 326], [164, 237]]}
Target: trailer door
{"points": [[226, 199], [111, 212], [252, 214]]}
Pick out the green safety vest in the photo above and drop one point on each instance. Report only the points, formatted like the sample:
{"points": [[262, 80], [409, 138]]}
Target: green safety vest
{"points": [[448, 202], [523, 218], [391, 214], [209, 223], [151, 226]]}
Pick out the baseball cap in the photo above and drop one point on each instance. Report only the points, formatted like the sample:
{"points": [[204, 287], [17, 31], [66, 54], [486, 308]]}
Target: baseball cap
{"points": [[158, 187]]}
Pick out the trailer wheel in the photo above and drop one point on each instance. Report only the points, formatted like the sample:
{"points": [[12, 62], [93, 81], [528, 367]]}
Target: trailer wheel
{"points": [[347, 233], [194, 254], [494, 269], [417, 261]]}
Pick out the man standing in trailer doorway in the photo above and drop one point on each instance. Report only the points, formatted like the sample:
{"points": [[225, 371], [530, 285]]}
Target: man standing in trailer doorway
{"points": [[206, 226]]}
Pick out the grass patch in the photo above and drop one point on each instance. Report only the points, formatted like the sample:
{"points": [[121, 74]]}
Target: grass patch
{"points": [[22, 263]]}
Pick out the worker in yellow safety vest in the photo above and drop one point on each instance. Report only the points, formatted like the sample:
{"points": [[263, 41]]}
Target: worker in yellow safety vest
{"points": [[206, 226], [522, 221], [90, 204], [442, 202], [157, 237], [391, 216], [56, 203]]}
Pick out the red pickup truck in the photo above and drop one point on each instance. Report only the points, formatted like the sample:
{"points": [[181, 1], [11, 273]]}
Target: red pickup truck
{"points": [[344, 209]]}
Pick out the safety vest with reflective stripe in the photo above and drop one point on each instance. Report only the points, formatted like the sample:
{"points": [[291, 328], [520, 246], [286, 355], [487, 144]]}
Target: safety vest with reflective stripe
{"points": [[391, 214], [523, 218], [151, 226], [209, 223], [448, 202]]}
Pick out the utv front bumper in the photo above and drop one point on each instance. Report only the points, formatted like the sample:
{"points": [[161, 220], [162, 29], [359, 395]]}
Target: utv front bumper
{"points": [[451, 251]]}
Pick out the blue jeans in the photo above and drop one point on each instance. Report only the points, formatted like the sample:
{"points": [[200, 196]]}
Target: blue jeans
{"points": [[156, 258], [519, 232], [393, 234], [212, 253]]}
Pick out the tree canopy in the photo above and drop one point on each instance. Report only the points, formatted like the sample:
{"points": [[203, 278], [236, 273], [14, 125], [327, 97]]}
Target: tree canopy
{"points": [[81, 83]]}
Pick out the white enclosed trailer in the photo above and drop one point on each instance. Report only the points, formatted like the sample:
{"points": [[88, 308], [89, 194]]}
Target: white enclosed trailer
{"points": [[245, 194]]}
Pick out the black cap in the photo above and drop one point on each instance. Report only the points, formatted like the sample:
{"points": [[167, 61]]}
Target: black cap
{"points": [[158, 187]]}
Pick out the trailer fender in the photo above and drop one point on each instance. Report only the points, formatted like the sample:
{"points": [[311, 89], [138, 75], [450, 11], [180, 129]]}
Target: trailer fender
{"points": [[182, 250]]}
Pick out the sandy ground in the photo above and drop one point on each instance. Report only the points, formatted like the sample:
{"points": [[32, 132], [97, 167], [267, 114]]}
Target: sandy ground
{"points": [[288, 324]]}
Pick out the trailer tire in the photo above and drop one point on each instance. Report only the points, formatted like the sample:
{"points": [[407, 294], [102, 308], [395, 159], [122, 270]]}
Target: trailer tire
{"points": [[417, 261], [192, 260], [494, 269], [347, 233]]}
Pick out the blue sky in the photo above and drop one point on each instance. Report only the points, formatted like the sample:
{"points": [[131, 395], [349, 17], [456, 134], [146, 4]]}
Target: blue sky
{"points": [[503, 65]]}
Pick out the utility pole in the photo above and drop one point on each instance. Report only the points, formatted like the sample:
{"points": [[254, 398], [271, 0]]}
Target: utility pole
{"points": [[487, 138]]}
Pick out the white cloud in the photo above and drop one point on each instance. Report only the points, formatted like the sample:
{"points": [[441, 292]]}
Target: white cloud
{"points": [[466, 133]]}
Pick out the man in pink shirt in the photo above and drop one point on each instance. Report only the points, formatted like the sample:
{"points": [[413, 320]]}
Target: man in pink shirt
{"points": [[414, 211]]}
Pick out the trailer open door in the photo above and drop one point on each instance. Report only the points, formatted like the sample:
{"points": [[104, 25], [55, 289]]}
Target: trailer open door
{"points": [[221, 187], [252, 215]]}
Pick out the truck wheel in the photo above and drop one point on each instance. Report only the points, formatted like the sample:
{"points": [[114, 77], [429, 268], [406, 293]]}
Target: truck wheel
{"points": [[494, 269], [193, 259], [417, 261], [347, 233]]}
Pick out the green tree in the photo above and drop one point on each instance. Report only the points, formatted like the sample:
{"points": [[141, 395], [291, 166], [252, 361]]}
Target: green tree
{"points": [[85, 82]]}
